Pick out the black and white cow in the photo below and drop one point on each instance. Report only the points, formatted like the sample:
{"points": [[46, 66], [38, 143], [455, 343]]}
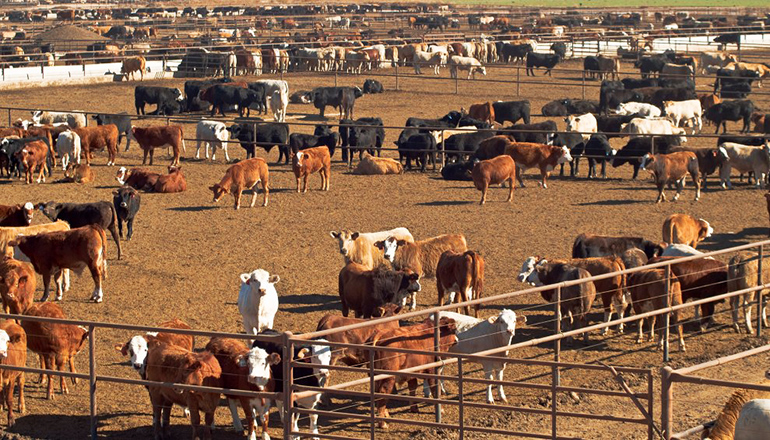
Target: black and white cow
{"points": [[144, 95]]}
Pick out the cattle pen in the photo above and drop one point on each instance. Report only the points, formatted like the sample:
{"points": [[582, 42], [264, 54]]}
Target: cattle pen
{"points": [[634, 386]]}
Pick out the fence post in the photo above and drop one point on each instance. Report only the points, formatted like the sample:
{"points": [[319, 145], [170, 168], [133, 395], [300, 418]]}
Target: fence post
{"points": [[650, 407], [437, 347], [9, 117], [557, 326], [372, 431], [92, 377], [443, 152], [518, 79], [666, 400], [583, 84], [42, 71], [335, 78], [457, 84], [288, 370], [397, 63], [460, 396], [760, 281], [667, 316]]}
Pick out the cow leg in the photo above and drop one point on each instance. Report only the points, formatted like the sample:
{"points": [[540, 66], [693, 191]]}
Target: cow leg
{"points": [[46, 283], [510, 193], [156, 410], [253, 196], [265, 191], [144, 157], [58, 281], [96, 274], [198, 149], [652, 327], [48, 362], [130, 228], [519, 171], [737, 302], [413, 392], [544, 178], [152, 155], [237, 425], [195, 418], [484, 193], [166, 419], [661, 195], [413, 304], [298, 185], [640, 332]]}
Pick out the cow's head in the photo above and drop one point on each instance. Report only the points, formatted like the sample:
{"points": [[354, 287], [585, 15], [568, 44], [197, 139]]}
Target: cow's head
{"points": [[299, 159], [319, 356], [50, 209], [120, 176], [124, 196], [260, 281], [482, 70], [218, 191], [36, 115], [705, 229], [391, 309], [136, 349], [4, 341], [178, 95], [29, 211], [647, 160], [506, 322], [346, 240], [565, 155], [528, 273], [389, 246], [14, 285], [258, 363]]}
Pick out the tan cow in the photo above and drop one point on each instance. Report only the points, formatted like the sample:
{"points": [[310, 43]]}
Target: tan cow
{"points": [[672, 168], [529, 155], [494, 171], [242, 176], [133, 64], [309, 161], [463, 274], [686, 229]]}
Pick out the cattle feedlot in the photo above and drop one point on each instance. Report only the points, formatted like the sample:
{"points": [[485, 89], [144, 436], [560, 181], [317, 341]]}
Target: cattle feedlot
{"points": [[275, 265]]}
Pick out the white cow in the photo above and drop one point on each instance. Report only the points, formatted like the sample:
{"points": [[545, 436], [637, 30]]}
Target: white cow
{"points": [[68, 148], [257, 363], [716, 59], [744, 158], [475, 335], [584, 124], [754, 420], [355, 61], [278, 106], [685, 111], [433, 60], [215, 135], [659, 126], [273, 85], [258, 300], [680, 250], [640, 108], [472, 65]]}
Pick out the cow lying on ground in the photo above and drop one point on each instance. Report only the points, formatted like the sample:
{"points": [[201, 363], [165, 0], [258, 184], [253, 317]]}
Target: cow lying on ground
{"points": [[172, 182], [371, 165], [587, 245]]}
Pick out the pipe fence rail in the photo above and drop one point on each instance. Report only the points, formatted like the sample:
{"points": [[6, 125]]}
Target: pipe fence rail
{"points": [[636, 395]]}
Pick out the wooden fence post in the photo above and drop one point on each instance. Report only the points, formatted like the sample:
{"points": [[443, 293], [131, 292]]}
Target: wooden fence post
{"points": [[666, 401], [92, 378], [667, 316], [760, 281]]}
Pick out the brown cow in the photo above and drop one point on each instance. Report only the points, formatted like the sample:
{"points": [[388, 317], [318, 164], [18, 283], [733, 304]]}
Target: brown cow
{"points": [[75, 249], [173, 182], [672, 168], [483, 112], [150, 138], [17, 215], [309, 161], [494, 171], [492, 147], [415, 337], [136, 348], [55, 344], [17, 285], [685, 229], [96, 138], [172, 364], [366, 292], [33, 156], [13, 352], [611, 289], [648, 293], [529, 155], [245, 62], [758, 119], [242, 176], [79, 173], [461, 274], [138, 178], [133, 64]]}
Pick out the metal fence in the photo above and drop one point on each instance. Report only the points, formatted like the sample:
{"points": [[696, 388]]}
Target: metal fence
{"points": [[636, 394]]}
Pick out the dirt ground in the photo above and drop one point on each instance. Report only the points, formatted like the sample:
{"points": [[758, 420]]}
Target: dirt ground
{"points": [[187, 253]]}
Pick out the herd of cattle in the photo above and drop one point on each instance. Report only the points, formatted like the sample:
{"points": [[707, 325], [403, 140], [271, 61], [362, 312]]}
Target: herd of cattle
{"points": [[383, 271]]}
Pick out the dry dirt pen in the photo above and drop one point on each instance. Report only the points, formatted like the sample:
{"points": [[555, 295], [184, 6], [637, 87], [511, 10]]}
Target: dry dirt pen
{"points": [[187, 253]]}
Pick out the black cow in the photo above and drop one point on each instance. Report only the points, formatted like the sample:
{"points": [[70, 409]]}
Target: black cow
{"points": [[467, 121], [586, 246], [464, 144], [573, 141], [373, 86], [599, 66], [368, 135], [633, 151], [121, 120], [323, 97], [580, 106], [611, 125], [754, 141], [223, 96], [650, 65], [546, 60], [597, 149], [323, 136], [192, 90], [84, 214], [458, 171], [267, 136], [170, 108], [450, 120], [726, 77], [532, 132], [348, 96], [560, 49], [613, 98], [415, 145], [661, 95], [673, 83], [512, 111], [735, 91], [730, 111], [144, 95], [126, 201], [634, 83], [731, 38], [709, 160], [261, 90], [517, 52], [554, 108]]}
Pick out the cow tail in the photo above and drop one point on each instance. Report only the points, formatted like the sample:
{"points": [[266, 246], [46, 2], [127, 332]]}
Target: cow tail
{"points": [[477, 280], [181, 136], [103, 237], [577, 247], [671, 230]]}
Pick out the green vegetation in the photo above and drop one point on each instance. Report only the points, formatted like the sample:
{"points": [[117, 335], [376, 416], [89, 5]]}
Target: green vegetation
{"points": [[619, 3]]}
